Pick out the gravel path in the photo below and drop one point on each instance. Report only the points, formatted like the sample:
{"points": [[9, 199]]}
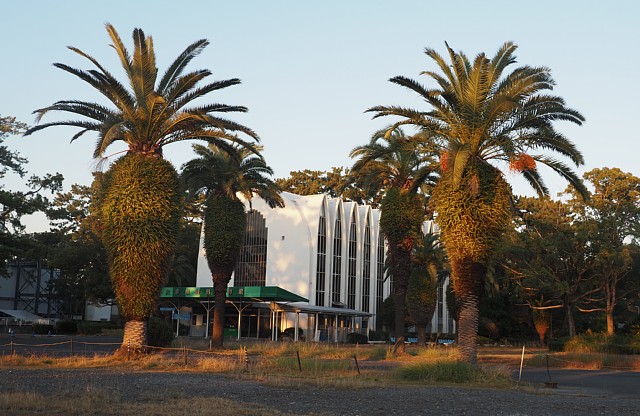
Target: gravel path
{"points": [[306, 400]]}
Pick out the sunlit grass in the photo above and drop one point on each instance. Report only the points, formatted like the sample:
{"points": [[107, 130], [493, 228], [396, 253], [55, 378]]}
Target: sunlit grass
{"points": [[443, 365]]}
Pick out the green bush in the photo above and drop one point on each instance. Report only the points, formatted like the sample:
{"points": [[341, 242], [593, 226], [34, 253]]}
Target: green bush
{"points": [[159, 332], [67, 326], [42, 329], [557, 344], [600, 344], [356, 338], [90, 328], [378, 335]]}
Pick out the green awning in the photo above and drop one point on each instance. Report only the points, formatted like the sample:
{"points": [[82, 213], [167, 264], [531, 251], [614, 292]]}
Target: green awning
{"points": [[263, 293], [236, 293]]}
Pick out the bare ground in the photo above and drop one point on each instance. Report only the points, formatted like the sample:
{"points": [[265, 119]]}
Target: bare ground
{"points": [[140, 386]]}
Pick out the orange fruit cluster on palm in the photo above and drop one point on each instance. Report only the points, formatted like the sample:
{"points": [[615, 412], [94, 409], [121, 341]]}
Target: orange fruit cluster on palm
{"points": [[522, 162]]}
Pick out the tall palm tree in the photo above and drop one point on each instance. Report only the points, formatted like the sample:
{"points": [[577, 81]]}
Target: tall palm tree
{"points": [[222, 176], [429, 269], [395, 163], [141, 203], [482, 119]]}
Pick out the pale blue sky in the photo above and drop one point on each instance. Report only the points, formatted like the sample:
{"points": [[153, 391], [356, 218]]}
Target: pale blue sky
{"points": [[310, 69]]}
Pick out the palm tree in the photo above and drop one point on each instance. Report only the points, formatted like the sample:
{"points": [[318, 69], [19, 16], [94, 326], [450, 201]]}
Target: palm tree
{"points": [[481, 119], [222, 176], [429, 261], [141, 202], [395, 163]]}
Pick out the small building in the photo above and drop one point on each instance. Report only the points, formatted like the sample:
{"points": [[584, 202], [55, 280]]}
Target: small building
{"points": [[28, 288]]}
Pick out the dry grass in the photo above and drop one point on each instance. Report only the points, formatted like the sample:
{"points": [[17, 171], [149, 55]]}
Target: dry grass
{"points": [[100, 403], [585, 361]]}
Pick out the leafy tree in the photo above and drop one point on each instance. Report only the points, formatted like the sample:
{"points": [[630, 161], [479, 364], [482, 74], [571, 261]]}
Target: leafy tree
{"points": [[479, 117], [15, 204], [141, 199], [611, 217], [428, 270], [336, 183], [221, 177], [394, 163], [79, 253], [550, 258]]}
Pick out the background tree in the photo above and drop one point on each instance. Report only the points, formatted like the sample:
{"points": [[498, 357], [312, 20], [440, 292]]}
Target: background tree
{"points": [[222, 176], [15, 204], [396, 165], [141, 198], [611, 216], [480, 117], [336, 183], [550, 258]]}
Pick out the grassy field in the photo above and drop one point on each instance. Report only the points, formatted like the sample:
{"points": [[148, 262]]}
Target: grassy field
{"points": [[289, 364]]}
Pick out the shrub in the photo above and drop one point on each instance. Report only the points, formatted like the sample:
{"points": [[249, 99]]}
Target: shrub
{"points": [[159, 332], [357, 338], [66, 326], [378, 335], [602, 343], [557, 344], [42, 329], [90, 328], [291, 332]]}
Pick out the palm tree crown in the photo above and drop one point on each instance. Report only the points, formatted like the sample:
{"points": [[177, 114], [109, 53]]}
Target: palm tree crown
{"points": [[151, 113], [224, 173], [480, 114]]}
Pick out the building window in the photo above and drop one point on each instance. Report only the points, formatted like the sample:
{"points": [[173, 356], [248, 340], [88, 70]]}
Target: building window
{"points": [[366, 267], [351, 267], [336, 275], [380, 273], [321, 259], [251, 268]]}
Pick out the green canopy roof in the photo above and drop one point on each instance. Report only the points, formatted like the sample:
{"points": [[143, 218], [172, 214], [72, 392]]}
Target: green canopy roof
{"points": [[236, 293]]}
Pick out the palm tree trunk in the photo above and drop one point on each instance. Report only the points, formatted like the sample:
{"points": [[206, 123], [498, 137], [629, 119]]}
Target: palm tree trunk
{"points": [[468, 278], [219, 310], [401, 273], [135, 335], [422, 335]]}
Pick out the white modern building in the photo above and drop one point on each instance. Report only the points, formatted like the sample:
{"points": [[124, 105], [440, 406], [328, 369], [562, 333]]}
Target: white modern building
{"points": [[326, 250]]}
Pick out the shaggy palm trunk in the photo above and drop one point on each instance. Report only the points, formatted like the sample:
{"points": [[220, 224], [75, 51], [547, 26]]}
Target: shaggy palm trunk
{"points": [[468, 278], [472, 216], [135, 335], [400, 221], [220, 283], [140, 213], [224, 231]]}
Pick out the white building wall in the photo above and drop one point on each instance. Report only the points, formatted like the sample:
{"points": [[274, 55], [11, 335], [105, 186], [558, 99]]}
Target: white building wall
{"points": [[292, 248]]}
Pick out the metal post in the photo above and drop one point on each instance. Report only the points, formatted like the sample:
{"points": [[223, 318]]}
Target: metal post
{"points": [[239, 320], [521, 363], [206, 328], [355, 358], [299, 363], [129, 350]]}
